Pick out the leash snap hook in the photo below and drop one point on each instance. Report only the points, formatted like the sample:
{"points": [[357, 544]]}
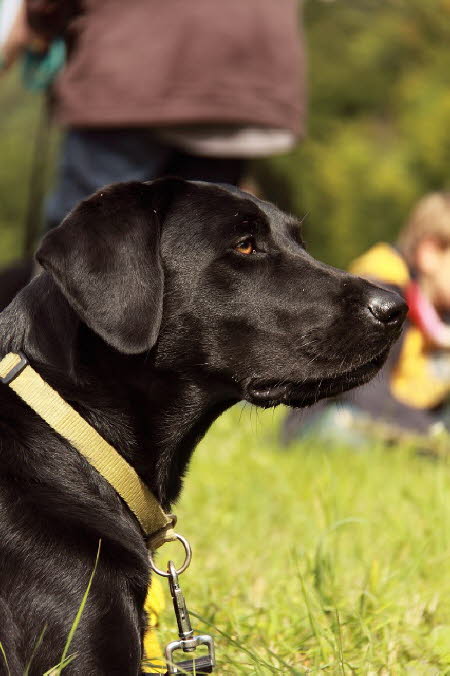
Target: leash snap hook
{"points": [[188, 642]]}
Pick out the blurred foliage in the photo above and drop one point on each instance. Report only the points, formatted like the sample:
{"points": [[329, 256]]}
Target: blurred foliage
{"points": [[19, 119], [378, 138], [379, 122]]}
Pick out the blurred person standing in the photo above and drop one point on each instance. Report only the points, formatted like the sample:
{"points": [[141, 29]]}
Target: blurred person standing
{"points": [[153, 88]]}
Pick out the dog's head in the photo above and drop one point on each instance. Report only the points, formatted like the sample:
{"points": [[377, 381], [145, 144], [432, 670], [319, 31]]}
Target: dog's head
{"points": [[219, 286]]}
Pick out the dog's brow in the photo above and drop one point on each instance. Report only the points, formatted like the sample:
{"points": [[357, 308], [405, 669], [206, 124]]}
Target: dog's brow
{"points": [[294, 230]]}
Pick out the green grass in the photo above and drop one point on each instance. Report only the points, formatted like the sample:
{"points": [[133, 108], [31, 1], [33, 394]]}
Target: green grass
{"points": [[315, 560]]}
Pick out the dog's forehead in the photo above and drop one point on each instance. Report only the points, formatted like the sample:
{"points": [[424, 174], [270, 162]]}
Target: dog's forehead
{"points": [[277, 219]]}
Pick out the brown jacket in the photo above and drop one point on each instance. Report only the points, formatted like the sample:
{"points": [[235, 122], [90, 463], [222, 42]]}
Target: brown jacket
{"points": [[165, 62]]}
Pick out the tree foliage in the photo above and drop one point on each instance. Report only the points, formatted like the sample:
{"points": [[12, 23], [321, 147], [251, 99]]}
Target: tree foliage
{"points": [[20, 121], [379, 122]]}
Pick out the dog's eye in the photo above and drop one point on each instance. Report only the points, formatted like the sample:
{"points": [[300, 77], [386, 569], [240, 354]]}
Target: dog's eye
{"points": [[246, 246]]}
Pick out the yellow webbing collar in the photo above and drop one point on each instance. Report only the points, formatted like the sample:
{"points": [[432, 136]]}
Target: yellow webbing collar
{"points": [[57, 413]]}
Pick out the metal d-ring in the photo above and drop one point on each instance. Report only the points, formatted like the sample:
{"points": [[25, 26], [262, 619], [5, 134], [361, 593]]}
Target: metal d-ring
{"points": [[186, 562]]}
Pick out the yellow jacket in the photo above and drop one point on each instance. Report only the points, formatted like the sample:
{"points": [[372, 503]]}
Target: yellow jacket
{"points": [[421, 376]]}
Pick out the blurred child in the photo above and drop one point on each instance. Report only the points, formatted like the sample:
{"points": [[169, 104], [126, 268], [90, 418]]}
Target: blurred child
{"points": [[412, 393]]}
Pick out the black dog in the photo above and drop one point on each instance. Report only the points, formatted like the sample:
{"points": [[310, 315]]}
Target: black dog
{"points": [[161, 305]]}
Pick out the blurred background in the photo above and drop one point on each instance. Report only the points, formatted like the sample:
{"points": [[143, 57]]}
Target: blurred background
{"points": [[378, 128]]}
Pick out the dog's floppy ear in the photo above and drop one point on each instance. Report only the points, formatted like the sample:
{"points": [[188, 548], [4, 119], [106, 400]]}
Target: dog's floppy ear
{"points": [[105, 257]]}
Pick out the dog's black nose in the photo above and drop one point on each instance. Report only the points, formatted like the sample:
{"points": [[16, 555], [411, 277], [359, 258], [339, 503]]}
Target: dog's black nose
{"points": [[387, 307]]}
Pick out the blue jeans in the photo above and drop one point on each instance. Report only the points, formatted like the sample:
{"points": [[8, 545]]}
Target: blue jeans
{"points": [[92, 158]]}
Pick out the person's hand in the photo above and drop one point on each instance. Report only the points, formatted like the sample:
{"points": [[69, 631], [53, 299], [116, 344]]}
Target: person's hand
{"points": [[19, 38], [16, 41]]}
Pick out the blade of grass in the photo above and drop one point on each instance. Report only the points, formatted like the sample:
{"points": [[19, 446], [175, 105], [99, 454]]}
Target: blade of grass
{"points": [[339, 642], [2, 650], [312, 622], [233, 641], [55, 671], [35, 649], [65, 659]]}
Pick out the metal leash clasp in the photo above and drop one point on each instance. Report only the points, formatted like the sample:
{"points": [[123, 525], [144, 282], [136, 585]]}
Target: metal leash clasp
{"points": [[187, 642]]}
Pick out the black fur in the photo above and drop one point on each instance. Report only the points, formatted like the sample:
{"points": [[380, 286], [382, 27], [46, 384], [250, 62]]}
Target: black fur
{"points": [[150, 323]]}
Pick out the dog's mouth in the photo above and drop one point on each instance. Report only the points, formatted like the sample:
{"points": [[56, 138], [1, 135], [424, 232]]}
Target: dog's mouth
{"points": [[267, 393]]}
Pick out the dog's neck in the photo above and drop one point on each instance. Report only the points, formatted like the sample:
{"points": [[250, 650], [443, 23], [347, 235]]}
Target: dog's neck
{"points": [[153, 416]]}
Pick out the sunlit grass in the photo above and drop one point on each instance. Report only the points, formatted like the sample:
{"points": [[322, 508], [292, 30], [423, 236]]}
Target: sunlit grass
{"points": [[315, 559]]}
